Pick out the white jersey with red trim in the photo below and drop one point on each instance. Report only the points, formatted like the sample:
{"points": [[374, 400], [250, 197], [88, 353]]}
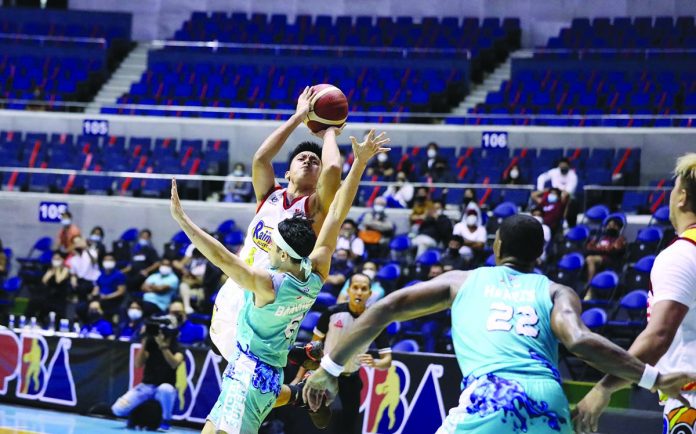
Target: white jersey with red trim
{"points": [[230, 299]]}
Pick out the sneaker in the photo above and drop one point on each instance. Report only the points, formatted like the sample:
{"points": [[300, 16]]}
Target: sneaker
{"points": [[165, 426]]}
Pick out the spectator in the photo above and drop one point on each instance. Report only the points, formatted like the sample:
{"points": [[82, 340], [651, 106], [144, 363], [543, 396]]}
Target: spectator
{"points": [[144, 260], [514, 176], [376, 230], [96, 326], [369, 269], [553, 203], [562, 177], [399, 194], [435, 270], [52, 294], [176, 309], [110, 287], [452, 259], [67, 233], [440, 172], [131, 326], [538, 213], [3, 263], [95, 243], [421, 205], [382, 167], [606, 249], [469, 202], [159, 356], [192, 269], [474, 234], [237, 191], [433, 161], [84, 269], [435, 230], [341, 268], [159, 289], [348, 240]]}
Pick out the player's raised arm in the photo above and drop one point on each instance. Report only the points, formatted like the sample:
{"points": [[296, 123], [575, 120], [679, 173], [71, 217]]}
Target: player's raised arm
{"points": [[257, 281], [330, 177], [262, 174], [326, 240]]}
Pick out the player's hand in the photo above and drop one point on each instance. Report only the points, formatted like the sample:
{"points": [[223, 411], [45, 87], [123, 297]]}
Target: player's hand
{"points": [[671, 384], [372, 146], [367, 360], [586, 413], [302, 109], [320, 389], [335, 131], [175, 204]]}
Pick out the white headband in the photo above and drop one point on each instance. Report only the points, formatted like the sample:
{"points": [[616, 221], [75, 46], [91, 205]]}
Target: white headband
{"points": [[306, 264]]}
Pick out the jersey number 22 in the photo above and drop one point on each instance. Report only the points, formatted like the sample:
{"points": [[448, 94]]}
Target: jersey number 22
{"points": [[525, 319]]}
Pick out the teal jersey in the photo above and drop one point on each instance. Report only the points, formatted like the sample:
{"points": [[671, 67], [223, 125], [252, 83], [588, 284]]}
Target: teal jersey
{"points": [[269, 331], [501, 324]]}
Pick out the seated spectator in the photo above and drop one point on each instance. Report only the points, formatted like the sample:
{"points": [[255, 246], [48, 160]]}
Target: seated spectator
{"points": [[237, 191], [192, 268], [52, 294], [419, 210], [3, 263], [95, 243], [563, 178], [369, 269], [144, 260], [159, 289], [348, 240], [399, 194], [96, 326], [553, 203], [131, 327], [434, 231], [514, 176], [67, 233], [452, 259], [176, 309], [474, 235], [341, 268], [440, 172], [538, 213], [376, 230], [84, 269], [382, 167], [606, 249], [469, 202], [110, 288], [433, 161], [435, 270]]}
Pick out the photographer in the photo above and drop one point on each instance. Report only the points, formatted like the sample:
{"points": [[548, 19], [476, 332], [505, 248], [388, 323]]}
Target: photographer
{"points": [[160, 356]]}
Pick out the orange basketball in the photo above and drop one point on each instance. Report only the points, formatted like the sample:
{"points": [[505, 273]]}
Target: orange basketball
{"points": [[327, 108]]}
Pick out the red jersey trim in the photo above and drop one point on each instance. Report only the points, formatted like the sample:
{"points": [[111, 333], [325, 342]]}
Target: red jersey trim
{"points": [[287, 205], [265, 198]]}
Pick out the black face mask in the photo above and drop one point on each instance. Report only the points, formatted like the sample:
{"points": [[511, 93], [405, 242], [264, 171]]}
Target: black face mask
{"points": [[612, 232], [453, 252], [94, 316], [565, 170], [467, 200]]}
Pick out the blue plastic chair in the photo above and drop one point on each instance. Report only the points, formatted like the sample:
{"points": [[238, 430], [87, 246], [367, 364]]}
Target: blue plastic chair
{"points": [[490, 261], [645, 264], [571, 262], [429, 257], [226, 227], [389, 272], [630, 317], [235, 238], [597, 213], [594, 318], [13, 284], [130, 235], [41, 246], [651, 234], [505, 210], [661, 215], [578, 233], [324, 300], [181, 238], [603, 286], [393, 328], [310, 321], [400, 243], [406, 346], [192, 333]]}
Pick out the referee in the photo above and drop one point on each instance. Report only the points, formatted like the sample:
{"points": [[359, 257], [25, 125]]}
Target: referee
{"points": [[333, 325]]}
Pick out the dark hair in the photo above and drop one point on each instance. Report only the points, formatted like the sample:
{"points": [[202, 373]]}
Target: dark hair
{"points": [[537, 208], [67, 213], [521, 237], [98, 228], [298, 233], [473, 192], [563, 160], [359, 273], [434, 145], [109, 254], [146, 231], [350, 222], [557, 190], [305, 147], [457, 238], [59, 253]]}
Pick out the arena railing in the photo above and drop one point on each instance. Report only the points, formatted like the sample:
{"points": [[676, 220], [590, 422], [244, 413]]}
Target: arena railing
{"points": [[613, 196], [593, 53], [48, 39]]}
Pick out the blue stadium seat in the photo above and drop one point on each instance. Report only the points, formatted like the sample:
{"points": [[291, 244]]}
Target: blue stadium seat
{"points": [[310, 321], [324, 301], [595, 318], [406, 346], [191, 333], [603, 287]]}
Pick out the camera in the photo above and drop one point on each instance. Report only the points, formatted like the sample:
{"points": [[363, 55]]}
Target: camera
{"points": [[163, 323]]}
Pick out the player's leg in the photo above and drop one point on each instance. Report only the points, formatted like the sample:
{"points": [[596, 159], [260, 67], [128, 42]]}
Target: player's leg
{"points": [[223, 324]]}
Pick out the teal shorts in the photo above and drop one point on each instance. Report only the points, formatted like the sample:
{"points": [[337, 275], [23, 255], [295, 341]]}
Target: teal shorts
{"points": [[249, 390], [494, 405]]}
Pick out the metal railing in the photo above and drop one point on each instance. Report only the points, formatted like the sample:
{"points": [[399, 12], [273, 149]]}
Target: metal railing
{"points": [[43, 39], [581, 53]]}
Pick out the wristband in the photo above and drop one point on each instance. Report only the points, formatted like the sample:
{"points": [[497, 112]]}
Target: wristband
{"points": [[649, 378], [330, 366]]}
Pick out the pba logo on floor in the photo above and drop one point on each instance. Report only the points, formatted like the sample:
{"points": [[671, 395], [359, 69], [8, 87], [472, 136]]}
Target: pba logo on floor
{"points": [[388, 410], [38, 377]]}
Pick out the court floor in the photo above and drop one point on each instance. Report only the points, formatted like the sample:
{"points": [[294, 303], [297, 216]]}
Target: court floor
{"points": [[27, 420]]}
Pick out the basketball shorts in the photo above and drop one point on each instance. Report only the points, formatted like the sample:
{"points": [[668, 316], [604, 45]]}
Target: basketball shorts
{"points": [[678, 419], [223, 324]]}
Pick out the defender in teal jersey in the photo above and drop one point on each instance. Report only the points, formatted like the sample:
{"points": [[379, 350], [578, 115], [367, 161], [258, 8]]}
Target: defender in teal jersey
{"points": [[276, 301], [506, 326]]}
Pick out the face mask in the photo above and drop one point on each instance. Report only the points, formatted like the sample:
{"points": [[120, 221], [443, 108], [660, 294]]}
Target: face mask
{"points": [[340, 263], [56, 263], [135, 314], [370, 273], [382, 157], [165, 269], [179, 319], [94, 315], [109, 265], [378, 208], [514, 174], [65, 222], [565, 170], [238, 172], [467, 200], [432, 153], [552, 198], [400, 180], [612, 232], [471, 220], [96, 238], [143, 242], [437, 213], [453, 251]]}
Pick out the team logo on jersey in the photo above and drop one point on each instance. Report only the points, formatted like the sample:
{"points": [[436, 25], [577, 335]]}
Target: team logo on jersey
{"points": [[262, 235], [339, 324], [681, 420]]}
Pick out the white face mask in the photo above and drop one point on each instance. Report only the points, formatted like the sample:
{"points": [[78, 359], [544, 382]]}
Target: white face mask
{"points": [[382, 157], [514, 174], [65, 222], [553, 198], [472, 220], [165, 269], [109, 265], [96, 238], [135, 314], [56, 263], [370, 273], [143, 241], [238, 172], [432, 153], [379, 208]]}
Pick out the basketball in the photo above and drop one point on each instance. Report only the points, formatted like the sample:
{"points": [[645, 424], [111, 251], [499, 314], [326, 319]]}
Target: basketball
{"points": [[327, 108]]}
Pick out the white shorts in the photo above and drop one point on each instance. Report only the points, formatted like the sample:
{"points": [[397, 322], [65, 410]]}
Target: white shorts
{"points": [[677, 418], [223, 325]]}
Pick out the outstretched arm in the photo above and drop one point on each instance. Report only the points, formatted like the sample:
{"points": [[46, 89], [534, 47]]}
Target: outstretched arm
{"points": [[330, 177], [326, 240], [257, 281], [262, 174]]}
